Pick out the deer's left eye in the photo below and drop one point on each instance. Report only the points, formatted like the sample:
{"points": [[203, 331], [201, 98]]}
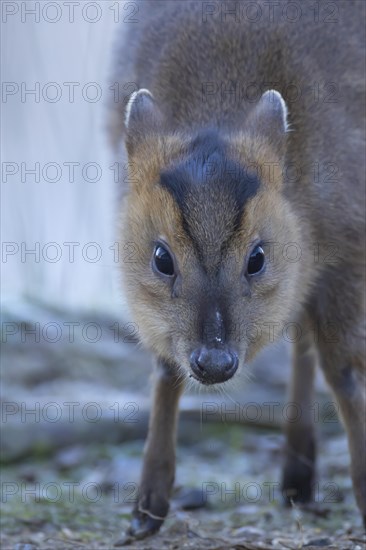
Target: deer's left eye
{"points": [[256, 261]]}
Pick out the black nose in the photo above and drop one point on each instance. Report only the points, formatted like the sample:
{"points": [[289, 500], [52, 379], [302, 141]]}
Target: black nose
{"points": [[212, 366]]}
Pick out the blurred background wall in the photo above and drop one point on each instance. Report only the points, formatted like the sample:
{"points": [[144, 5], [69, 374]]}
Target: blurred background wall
{"points": [[57, 184]]}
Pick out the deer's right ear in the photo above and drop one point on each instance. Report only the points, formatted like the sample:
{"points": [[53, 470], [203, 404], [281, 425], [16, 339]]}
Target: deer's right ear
{"points": [[142, 118]]}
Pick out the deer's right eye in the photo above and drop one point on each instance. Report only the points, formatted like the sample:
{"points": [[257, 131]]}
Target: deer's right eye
{"points": [[163, 262]]}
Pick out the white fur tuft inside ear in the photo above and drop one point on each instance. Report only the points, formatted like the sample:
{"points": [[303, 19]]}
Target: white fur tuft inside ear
{"points": [[277, 101], [135, 96]]}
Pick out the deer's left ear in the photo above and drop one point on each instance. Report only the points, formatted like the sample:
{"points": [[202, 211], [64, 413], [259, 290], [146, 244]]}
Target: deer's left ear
{"points": [[142, 118], [268, 119]]}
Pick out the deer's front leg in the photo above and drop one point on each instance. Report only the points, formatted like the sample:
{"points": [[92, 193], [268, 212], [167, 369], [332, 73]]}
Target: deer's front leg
{"points": [[159, 455], [345, 371], [299, 471]]}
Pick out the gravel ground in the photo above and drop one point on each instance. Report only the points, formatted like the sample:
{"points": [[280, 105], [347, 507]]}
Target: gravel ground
{"points": [[71, 482], [82, 497]]}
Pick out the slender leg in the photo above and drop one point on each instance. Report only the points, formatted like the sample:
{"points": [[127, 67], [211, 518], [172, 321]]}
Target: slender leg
{"points": [[159, 455], [345, 371], [300, 451]]}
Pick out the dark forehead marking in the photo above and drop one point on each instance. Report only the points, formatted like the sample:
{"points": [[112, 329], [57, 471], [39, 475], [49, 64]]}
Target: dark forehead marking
{"points": [[208, 167], [211, 191]]}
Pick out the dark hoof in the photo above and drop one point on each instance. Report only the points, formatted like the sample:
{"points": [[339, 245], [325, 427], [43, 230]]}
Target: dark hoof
{"points": [[298, 482], [149, 514], [143, 525]]}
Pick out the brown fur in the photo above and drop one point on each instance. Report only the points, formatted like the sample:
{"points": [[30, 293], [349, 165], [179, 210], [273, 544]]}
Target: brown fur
{"points": [[172, 52]]}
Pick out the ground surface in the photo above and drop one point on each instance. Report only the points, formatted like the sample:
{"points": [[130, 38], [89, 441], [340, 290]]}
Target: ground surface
{"points": [[70, 480], [238, 474]]}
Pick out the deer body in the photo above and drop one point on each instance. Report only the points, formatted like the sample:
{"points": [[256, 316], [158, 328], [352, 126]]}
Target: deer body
{"points": [[244, 138]]}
